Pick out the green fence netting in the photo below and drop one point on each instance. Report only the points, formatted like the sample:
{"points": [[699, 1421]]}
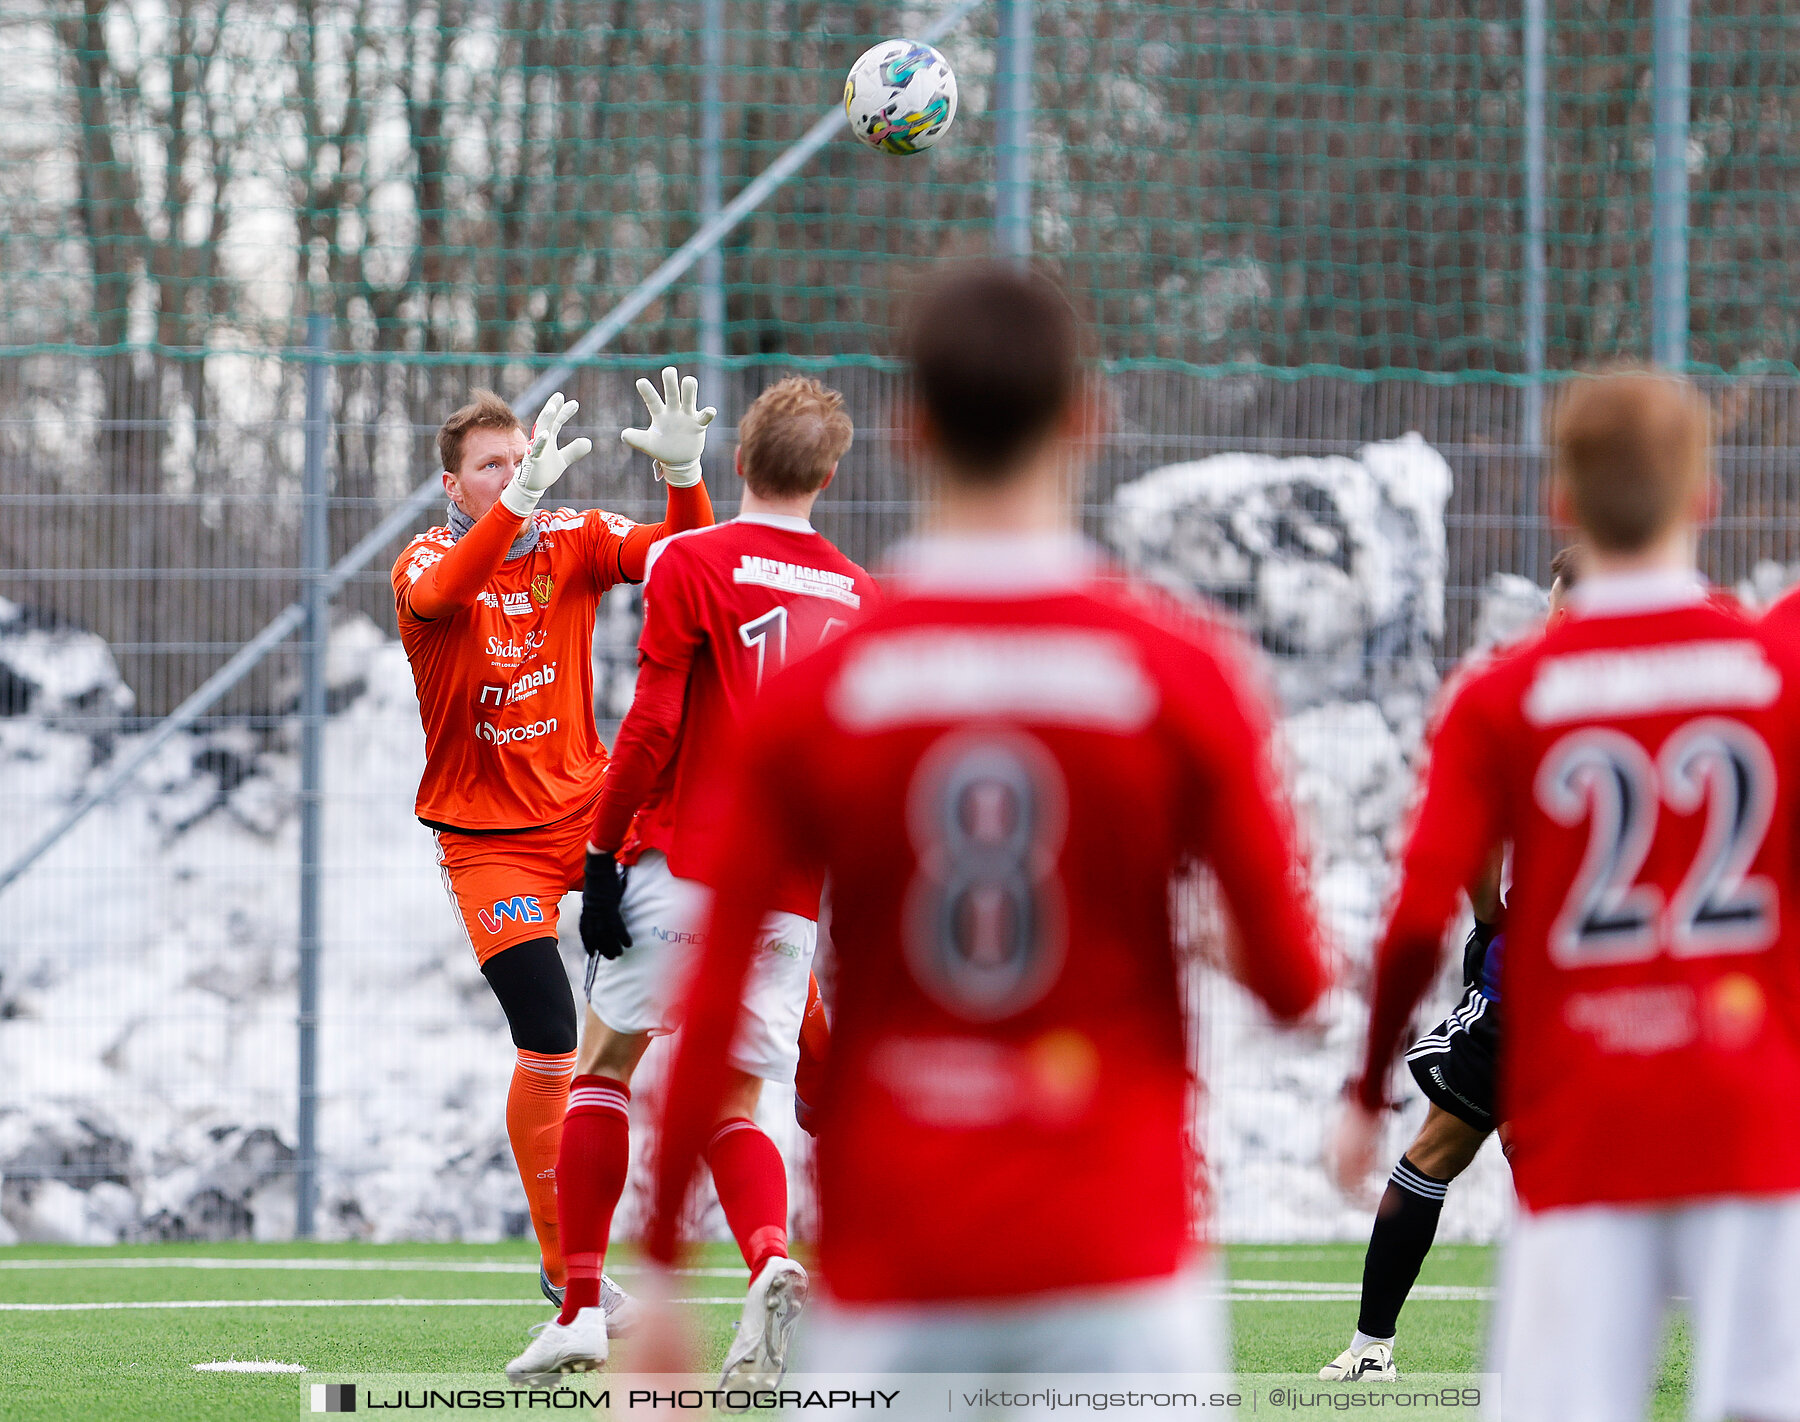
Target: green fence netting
{"points": [[1273, 183]]}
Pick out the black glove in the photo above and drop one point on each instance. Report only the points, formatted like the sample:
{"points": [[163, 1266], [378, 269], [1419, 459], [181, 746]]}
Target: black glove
{"points": [[603, 931]]}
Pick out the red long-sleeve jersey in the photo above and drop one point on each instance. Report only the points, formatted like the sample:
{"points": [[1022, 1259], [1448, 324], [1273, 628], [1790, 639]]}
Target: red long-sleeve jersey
{"points": [[1001, 770], [1643, 760], [724, 609]]}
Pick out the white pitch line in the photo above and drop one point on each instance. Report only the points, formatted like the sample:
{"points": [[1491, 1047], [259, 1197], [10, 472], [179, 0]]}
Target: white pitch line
{"points": [[1296, 1287], [1267, 1293], [400, 1266], [1439, 1292], [1423, 1293], [1240, 1290], [232, 1365], [306, 1303]]}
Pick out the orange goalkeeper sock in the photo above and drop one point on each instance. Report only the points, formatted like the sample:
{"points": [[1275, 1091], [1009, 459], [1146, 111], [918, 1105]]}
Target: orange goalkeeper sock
{"points": [[534, 1120]]}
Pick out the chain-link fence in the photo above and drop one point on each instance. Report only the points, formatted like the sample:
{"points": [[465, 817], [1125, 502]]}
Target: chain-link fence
{"points": [[1299, 231], [1283, 183]]}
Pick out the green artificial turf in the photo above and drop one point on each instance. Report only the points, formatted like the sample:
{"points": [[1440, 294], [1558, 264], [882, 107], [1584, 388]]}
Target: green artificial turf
{"points": [[139, 1364]]}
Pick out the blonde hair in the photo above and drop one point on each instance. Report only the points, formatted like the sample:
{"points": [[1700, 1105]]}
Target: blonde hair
{"points": [[485, 411], [792, 436], [1630, 446]]}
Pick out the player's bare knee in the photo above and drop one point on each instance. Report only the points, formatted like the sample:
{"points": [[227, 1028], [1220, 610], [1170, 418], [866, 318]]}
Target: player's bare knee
{"points": [[607, 1053], [1445, 1145], [741, 1097]]}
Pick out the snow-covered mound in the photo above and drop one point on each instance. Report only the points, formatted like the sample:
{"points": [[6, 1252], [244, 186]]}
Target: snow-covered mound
{"points": [[1337, 566], [148, 967]]}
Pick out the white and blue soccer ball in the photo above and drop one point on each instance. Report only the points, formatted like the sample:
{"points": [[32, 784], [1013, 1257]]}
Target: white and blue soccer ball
{"points": [[900, 96]]}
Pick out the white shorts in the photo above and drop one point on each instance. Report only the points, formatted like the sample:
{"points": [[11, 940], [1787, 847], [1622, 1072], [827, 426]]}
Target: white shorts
{"points": [[1584, 1293], [641, 990], [1172, 1325]]}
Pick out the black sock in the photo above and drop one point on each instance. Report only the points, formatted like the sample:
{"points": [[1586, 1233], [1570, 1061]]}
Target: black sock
{"points": [[1406, 1222]]}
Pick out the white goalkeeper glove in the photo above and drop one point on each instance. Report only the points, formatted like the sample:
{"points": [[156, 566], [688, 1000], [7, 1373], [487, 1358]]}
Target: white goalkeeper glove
{"points": [[544, 462], [677, 434]]}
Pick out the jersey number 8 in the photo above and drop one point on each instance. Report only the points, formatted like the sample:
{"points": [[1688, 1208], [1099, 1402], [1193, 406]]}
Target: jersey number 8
{"points": [[984, 927]]}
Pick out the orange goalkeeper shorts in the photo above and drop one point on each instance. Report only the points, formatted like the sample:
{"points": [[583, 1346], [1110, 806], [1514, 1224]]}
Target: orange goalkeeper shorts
{"points": [[506, 887]]}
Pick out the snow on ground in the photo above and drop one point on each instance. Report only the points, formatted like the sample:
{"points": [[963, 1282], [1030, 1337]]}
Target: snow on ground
{"points": [[148, 965], [148, 977]]}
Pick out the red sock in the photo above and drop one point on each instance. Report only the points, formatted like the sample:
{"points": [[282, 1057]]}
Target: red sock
{"points": [[590, 1177], [752, 1185]]}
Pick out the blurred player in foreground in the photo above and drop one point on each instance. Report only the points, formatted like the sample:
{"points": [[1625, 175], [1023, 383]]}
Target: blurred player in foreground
{"points": [[496, 612], [1001, 770], [1643, 761], [724, 608], [1455, 1065]]}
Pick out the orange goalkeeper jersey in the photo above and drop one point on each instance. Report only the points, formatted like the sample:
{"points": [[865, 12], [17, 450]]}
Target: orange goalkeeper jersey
{"points": [[506, 683]]}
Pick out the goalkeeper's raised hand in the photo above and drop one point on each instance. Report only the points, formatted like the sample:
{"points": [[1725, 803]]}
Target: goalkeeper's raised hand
{"points": [[544, 463], [677, 434]]}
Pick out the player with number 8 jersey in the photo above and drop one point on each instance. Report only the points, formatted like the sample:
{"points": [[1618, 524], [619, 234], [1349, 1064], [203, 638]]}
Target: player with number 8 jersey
{"points": [[1003, 770]]}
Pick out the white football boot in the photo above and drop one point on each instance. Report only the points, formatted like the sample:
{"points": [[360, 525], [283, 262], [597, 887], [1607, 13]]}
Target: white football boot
{"points": [[757, 1357], [623, 1312], [557, 1348], [621, 1308], [1373, 1362]]}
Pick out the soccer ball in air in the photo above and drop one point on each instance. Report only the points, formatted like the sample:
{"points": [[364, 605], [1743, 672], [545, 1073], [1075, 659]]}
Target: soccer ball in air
{"points": [[901, 96]]}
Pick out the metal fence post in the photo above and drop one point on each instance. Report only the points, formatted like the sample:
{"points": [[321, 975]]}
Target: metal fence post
{"points": [[1537, 278], [1012, 210], [1669, 242], [316, 560], [712, 196]]}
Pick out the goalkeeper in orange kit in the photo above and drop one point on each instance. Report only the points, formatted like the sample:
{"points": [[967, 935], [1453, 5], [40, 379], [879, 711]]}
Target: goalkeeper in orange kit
{"points": [[496, 610]]}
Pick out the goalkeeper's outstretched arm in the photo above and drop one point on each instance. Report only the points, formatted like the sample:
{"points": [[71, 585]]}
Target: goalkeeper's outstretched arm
{"points": [[675, 440], [688, 508]]}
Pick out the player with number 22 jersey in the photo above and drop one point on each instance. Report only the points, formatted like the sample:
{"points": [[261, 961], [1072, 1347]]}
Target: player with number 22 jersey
{"points": [[1656, 740], [1642, 760]]}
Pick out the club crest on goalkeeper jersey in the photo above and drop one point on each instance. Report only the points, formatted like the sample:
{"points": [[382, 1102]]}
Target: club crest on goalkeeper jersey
{"points": [[506, 684], [1643, 761], [730, 606]]}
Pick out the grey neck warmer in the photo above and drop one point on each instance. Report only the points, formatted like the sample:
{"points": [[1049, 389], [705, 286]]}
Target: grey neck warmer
{"points": [[461, 523]]}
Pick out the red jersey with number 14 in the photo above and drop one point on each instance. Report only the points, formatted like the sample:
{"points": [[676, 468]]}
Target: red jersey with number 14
{"points": [[1643, 760], [730, 606]]}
